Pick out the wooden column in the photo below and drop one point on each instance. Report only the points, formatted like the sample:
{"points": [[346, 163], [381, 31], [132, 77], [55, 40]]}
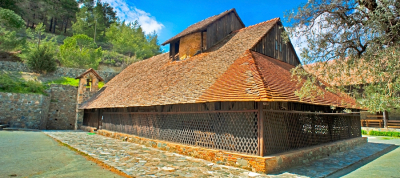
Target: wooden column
{"points": [[385, 118], [260, 128]]}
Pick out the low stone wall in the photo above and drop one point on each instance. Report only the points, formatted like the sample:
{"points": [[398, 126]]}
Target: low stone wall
{"points": [[60, 72], [267, 164], [24, 110], [281, 161], [62, 110]]}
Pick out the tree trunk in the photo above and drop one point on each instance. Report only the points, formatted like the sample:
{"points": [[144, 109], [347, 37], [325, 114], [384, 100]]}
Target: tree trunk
{"points": [[66, 25], [54, 25], [27, 23], [385, 118], [51, 24]]}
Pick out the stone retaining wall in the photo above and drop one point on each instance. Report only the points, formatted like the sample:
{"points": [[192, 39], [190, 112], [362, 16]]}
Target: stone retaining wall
{"points": [[266, 164], [56, 111], [60, 72], [62, 110], [24, 110]]}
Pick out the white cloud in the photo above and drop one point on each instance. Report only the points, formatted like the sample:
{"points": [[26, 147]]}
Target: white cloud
{"points": [[130, 14]]}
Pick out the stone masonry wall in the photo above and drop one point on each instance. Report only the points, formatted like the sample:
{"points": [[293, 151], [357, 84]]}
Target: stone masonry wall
{"points": [[23, 110], [60, 72], [62, 110]]}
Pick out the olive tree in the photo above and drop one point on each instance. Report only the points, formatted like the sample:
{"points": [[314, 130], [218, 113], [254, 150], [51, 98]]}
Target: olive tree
{"points": [[354, 44]]}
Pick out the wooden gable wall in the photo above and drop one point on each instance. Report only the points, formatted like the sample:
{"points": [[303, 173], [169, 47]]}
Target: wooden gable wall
{"points": [[219, 29], [283, 51]]}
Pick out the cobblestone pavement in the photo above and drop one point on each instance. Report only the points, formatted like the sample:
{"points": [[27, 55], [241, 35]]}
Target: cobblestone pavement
{"points": [[140, 161]]}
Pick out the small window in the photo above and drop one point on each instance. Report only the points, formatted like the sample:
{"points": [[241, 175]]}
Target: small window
{"points": [[276, 45]]}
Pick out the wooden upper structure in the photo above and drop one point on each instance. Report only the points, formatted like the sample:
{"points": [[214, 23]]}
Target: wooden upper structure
{"points": [[238, 64]]}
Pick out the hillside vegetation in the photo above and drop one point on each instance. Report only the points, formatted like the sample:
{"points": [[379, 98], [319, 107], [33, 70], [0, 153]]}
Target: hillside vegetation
{"points": [[80, 34]]}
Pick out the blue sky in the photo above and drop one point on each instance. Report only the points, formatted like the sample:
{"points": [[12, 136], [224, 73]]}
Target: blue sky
{"points": [[168, 17]]}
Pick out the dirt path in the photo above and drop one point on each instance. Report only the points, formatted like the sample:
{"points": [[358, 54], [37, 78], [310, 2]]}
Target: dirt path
{"points": [[33, 154]]}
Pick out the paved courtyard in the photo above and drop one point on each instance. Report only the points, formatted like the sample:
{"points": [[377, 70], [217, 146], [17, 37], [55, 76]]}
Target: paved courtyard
{"points": [[140, 161], [33, 154]]}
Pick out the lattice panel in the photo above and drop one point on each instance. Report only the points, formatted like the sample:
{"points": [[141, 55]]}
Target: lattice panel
{"points": [[286, 131], [231, 131]]}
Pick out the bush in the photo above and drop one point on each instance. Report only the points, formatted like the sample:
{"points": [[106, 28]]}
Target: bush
{"points": [[41, 59], [380, 133], [364, 132]]}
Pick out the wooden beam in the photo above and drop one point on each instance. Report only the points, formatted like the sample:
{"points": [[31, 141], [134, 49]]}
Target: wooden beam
{"points": [[260, 128]]}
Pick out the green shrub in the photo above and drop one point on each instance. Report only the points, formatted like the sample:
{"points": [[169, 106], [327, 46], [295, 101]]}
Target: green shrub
{"points": [[380, 133], [364, 132], [41, 59]]}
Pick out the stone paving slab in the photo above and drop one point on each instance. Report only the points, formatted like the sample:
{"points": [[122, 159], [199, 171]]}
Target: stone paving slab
{"points": [[141, 161], [338, 161]]}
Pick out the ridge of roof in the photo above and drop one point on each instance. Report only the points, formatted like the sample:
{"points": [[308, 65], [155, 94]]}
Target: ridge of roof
{"points": [[94, 72], [202, 24], [255, 25]]}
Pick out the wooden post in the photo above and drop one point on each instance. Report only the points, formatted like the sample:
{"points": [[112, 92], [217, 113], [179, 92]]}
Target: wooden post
{"points": [[201, 47], [385, 117], [260, 128]]}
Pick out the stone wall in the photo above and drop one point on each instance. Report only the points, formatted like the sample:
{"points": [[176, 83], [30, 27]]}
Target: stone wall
{"points": [[60, 72], [62, 110], [24, 110]]}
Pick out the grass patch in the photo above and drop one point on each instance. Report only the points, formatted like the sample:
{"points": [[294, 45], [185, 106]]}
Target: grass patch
{"points": [[65, 81], [381, 133], [69, 81], [15, 84]]}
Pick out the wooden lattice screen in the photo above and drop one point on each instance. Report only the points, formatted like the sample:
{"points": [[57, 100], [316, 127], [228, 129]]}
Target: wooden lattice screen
{"points": [[260, 130], [290, 130], [223, 130]]}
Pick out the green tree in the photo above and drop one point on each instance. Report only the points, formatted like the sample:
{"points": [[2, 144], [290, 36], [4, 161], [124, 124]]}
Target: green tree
{"points": [[41, 53], [129, 39], [362, 36], [93, 19], [80, 51], [10, 24]]}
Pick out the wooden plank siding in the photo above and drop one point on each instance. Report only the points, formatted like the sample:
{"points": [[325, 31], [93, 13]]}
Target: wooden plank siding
{"points": [[267, 46], [221, 28]]}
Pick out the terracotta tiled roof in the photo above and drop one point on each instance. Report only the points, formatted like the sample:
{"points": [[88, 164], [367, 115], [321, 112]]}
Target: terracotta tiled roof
{"points": [[199, 26], [277, 78], [228, 71], [93, 71]]}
